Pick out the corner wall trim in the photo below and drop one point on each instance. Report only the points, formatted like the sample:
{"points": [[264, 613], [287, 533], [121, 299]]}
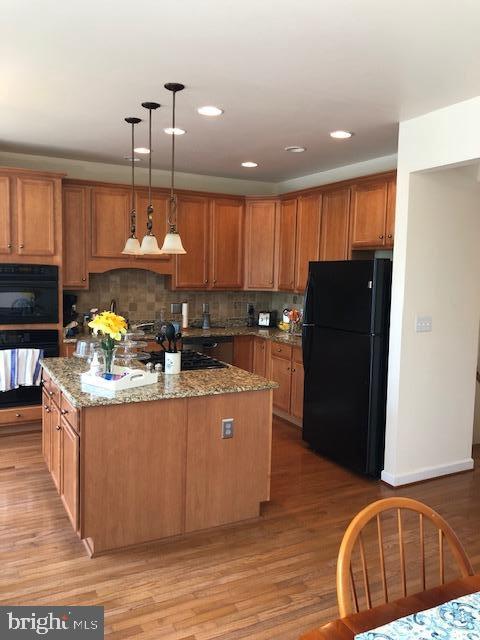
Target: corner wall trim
{"points": [[427, 473]]}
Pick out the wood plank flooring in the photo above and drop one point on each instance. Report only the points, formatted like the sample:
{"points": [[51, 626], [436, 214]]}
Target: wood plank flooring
{"points": [[272, 578]]}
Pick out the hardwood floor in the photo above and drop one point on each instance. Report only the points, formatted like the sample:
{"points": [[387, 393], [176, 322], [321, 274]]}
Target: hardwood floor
{"points": [[272, 578]]}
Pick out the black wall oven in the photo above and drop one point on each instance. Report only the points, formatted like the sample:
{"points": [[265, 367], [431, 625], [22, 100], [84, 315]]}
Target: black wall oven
{"points": [[46, 339], [28, 293]]}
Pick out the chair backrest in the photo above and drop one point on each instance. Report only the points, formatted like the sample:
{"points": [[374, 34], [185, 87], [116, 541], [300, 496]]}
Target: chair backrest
{"points": [[348, 591]]}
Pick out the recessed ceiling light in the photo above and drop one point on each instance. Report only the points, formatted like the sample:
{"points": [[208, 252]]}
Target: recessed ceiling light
{"points": [[210, 110], [141, 150], [341, 135], [175, 131], [295, 149], [129, 158], [249, 165]]}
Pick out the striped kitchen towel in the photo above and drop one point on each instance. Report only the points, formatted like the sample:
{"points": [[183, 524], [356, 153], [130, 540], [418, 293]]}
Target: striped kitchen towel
{"points": [[20, 367]]}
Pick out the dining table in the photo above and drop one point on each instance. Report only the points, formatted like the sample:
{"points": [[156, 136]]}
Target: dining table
{"points": [[348, 627]]}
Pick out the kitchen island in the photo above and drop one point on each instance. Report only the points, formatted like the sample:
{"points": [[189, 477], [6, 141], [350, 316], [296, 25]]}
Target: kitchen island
{"points": [[153, 462]]}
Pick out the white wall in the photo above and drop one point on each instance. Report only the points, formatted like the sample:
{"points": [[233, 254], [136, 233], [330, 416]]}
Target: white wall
{"points": [[435, 272], [476, 417]]}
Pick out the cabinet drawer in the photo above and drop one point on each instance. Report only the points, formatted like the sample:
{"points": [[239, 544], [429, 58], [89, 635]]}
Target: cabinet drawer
{"points": [[69, 412], [281, 350], [20, 415]]}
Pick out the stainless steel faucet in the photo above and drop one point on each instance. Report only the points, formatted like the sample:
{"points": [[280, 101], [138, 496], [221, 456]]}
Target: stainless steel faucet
{"points": [[113, 305]]}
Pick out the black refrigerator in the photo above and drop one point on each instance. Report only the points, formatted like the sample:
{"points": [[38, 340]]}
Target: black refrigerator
{"points": [[345, 352]]}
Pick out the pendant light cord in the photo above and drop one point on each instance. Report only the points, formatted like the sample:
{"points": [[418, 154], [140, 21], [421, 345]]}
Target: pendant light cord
{"points": [[150, 207], [173, 199], [132, 212]]}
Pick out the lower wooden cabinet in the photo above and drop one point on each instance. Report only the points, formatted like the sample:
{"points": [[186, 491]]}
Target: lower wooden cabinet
{"points": [[259, 357], [56, 445], [46, 429], [280, 371], [243, 352], [286, 368], [296, 397], [70, 447]]}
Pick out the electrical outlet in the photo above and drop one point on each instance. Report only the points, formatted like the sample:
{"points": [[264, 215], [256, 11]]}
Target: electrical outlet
{"points": [[227, 428], [176, 307], [423, 324]]}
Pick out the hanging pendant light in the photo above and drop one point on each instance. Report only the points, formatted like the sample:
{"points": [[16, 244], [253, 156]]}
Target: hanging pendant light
{"points": [[132, 245], [173, 243], [149, 244]]}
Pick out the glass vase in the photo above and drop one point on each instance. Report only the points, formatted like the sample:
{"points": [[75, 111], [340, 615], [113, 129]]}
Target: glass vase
{"points": [[108, 350]]}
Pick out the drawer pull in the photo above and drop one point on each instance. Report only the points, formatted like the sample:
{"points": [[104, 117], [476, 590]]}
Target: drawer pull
{"points": [[58, 427], [50, 393], [21, 246], [18, 415]]}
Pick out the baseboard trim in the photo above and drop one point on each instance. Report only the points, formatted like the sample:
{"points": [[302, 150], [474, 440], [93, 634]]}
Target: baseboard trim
{"points": [[427, 473]]}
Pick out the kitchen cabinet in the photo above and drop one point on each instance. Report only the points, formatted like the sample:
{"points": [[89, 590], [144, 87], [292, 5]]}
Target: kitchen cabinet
{"points": [[70, 471], [390, 222], [287, 226], [260, 241], [226, 258], [243, 352], [55, 445], [280, 372], [369, 206], [36, 216], [307, 236], [46, 429], [109, 222], [6, 241], [193, 223], [296, 398], [259, 357], [334, 236], [75, 210]]}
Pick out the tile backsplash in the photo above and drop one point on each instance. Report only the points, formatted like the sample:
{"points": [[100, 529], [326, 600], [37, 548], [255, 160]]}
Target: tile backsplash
{"points": [[142, 295]]}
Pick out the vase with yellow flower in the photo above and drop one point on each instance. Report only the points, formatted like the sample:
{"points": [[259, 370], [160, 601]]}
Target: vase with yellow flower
{"points": [[111, 327]]}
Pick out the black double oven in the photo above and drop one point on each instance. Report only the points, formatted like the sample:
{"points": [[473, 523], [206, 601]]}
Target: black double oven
{"points": [[28, 296]]}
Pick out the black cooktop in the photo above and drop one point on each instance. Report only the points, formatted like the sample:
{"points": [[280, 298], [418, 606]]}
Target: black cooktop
{"points": [[191, 360]]}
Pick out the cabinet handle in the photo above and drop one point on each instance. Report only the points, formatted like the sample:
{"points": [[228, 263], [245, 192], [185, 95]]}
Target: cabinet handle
{"points": [[64, 412], [21, 246], [293, 370], [50, 393], [9, 246], [58, 427], [270, 281], [84, 279], [205, 281], [214, 282], [381, 237], [18, 415], [389, 235]]}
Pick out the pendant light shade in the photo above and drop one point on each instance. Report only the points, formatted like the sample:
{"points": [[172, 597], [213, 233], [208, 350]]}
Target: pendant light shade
{"points": [[172, 243], [132, 245], [149, 244]]}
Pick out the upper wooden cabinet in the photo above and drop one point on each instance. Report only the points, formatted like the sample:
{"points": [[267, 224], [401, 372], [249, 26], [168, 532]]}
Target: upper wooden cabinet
{"points": [[226, 256], [193, 223], [287, 228], [30, 216], [308, 236], [369, 206], [109, 221], [75, 210], [334, 238], [260, 242]]}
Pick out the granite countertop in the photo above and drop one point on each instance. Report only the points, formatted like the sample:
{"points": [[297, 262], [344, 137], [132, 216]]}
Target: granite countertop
{"points": [[269, 334], [65, 372]]}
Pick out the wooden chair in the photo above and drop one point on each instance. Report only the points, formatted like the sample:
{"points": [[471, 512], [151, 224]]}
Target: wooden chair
{"points": [[347, 592]]}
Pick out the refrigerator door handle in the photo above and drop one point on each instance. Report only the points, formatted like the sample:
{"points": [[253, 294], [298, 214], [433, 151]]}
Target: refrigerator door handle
{"points": [[306, 346]]}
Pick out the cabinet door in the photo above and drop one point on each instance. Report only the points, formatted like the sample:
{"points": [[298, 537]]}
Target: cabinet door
{"points": [[259, 357], [287, 229], [75, 203], [160, 208], [334, 240], [280, 372], [56, 446], [70, 470], [390, 224], [109, 221], [308, 237], [369, 208], [46, 429], [35, 216], [260, 244], [193, 218], [226, 259], [5, 216], [243, 352], [296, 405]]}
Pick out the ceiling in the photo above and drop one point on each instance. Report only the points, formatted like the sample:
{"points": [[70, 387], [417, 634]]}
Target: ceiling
{"points": [[286, 72]]}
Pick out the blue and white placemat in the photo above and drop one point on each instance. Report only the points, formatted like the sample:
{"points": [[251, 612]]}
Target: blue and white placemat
{"points": [[458, 619]]}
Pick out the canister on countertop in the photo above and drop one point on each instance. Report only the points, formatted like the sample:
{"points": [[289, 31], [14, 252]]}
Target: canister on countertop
{"points": [[184, 315]]}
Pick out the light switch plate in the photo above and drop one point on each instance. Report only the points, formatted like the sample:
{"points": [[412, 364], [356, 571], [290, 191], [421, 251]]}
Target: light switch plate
{"points": [[423, 324], [227, 428]]}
